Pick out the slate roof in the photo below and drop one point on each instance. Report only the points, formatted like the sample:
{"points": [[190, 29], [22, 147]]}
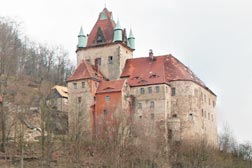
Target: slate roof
{"points": [[107, 26], [85, 71], [162, 69], [110, 86]]}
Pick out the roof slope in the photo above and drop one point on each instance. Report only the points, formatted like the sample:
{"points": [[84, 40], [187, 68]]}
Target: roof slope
{"points": [[110, 86], [63, 91], [106, 24], [85, 71], [163, 69]]}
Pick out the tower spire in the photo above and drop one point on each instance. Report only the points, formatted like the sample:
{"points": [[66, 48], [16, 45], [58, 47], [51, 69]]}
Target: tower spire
{"points": [[82, 39], [131, 40], [117, 32]]}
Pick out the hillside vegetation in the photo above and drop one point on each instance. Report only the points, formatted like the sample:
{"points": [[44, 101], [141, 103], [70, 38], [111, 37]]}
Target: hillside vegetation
{"points": [[28, 70]]}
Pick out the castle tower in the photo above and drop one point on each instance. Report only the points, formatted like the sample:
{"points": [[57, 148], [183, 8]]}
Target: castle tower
{"points": [[106, 46]]}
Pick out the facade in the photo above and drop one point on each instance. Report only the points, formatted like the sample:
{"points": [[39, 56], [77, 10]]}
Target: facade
{"points": [[159, 91]]}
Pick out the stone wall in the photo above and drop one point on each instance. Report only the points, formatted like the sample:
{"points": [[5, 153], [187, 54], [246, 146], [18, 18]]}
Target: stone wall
{"points": [[111, 69], [194, 106], [81, 97]]}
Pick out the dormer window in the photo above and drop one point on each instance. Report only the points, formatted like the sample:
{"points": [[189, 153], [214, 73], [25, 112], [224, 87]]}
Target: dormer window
{"points": [[99, 36], [154, 76], [103, 16], [99, 39]]}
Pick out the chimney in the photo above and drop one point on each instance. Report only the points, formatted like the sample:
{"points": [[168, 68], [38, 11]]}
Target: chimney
{"points": [[151, 56]]}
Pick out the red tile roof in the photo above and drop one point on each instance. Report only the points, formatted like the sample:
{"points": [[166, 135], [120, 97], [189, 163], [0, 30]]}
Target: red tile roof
{"points": [[110, 86], [163, 69], [107, 26], [85, 71]]}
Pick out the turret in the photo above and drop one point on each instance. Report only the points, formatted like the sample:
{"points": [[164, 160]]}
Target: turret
{"points": [[82, 39], [117, 32], [131, 40]]}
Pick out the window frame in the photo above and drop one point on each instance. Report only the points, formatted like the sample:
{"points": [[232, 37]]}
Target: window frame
{"points": [[157, 89], [142, 91]]}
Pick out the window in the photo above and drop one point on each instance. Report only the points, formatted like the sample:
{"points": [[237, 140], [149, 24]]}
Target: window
{"points": [[152, 104], [94, 99], [110, 59], [202, 112], [79, 99], [213, 103], [142, 90], [208, 116], [75, 85], [139, 105], [212, 117], [169, 134], [174, 116], [97, 61], [150, 90], [191, 116], [105, 112], [99, 39], [173, 93], [107, 98], [152, 116], [157, 89], [209, 101], [83, 84]]}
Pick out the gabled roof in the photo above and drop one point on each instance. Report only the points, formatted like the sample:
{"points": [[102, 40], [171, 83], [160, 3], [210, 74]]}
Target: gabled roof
{"points": [[61, 90], [106, 24], [110, 86], [162, 69], [85, 71]]}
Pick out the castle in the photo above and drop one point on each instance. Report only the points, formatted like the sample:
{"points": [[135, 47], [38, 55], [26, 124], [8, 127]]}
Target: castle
{"points": [[109, 82]]}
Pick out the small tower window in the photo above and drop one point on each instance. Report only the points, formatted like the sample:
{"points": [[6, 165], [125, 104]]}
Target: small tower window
{"points": [[79, 99], [142, 91], [139, 105], [173, 93], [157, 89], [105, 112], [97, 61], [75, 85], [152, 104], [107, 98], [110, 59], [150, 90], [152, 116]]}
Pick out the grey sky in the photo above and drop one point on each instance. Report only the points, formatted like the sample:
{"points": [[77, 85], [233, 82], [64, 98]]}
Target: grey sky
{"points": [[212, 37]]}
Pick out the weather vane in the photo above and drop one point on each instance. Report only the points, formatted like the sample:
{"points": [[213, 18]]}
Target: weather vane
{"points": [[105, 3]]}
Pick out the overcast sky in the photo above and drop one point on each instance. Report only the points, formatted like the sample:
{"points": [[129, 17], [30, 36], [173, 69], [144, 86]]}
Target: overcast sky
{"points": [[212, 37]]}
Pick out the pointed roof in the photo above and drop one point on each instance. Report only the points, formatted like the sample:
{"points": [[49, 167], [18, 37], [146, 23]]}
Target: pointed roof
{"points": [[131, 34], [81, 33], [118, 25], [106, 24], [110, 86], [162, 69], [85, 71]]}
